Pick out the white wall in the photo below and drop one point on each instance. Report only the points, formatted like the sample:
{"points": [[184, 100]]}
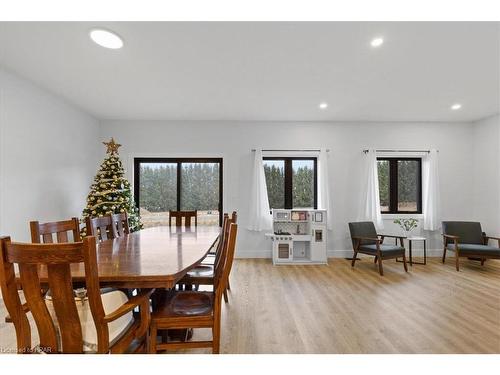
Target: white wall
{"points": [[486, 174], [47, 156], [234, 141]]}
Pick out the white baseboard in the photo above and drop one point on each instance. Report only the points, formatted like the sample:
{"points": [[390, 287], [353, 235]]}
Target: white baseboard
{"points": [[250, 254]]}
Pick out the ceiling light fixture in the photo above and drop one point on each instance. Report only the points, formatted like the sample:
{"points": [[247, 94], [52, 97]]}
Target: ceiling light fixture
{"points": [[456, 106], [106, 38], [377, 42], [323, 105]]}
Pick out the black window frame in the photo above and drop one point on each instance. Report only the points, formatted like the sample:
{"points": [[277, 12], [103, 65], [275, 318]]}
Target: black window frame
{"points": [[393, 184], [178, 161], [289, 178]]}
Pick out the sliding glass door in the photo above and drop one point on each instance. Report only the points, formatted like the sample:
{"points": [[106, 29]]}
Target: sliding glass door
{"points": [[163, 184]]}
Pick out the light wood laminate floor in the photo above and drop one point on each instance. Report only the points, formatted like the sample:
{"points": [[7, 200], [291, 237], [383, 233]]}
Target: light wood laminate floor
{"points": [[337, 309]]}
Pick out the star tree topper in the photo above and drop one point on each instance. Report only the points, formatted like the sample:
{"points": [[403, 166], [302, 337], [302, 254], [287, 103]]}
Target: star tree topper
{"points": [[112, 147]]}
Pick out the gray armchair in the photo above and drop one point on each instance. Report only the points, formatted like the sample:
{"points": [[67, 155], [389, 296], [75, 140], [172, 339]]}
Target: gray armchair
{"points": [[467, 239], [365, 240]]}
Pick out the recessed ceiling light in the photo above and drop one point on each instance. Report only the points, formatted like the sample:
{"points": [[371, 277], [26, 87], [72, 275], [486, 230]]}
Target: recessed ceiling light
{"points": [[456, 106], [323, 105], [377, 42], [106, 38]]}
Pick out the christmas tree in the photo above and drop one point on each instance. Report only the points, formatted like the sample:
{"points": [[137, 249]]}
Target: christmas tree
{"points": [[110, 193]]}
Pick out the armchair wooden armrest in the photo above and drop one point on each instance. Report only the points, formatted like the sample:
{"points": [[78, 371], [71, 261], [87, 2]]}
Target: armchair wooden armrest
{"points": [[487, 238], [390, 236], [367, 239], [447, 237], [128, 306]]}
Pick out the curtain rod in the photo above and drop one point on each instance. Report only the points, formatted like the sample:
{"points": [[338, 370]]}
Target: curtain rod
{"points": [[427, 151], [300, 150]]}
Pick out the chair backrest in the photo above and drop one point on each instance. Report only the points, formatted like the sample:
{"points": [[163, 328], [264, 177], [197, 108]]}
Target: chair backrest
{"points": [[60, 228], [56, 259], [179, 215], [120, 224], [220, 241], [362, 229], [100, 227], [234, 219], [468, 231], [222, 269]]}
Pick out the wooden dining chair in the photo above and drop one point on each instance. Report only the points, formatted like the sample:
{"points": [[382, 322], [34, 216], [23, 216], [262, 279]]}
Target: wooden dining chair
{"points": [[45, 232], [193, 309], [120, 225], [100, 227], [203, 274], [61, 331], [186, 215]]}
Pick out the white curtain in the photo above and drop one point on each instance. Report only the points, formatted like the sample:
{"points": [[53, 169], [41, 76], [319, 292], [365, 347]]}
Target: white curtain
{"points": [[324, 187], [260, 216], [370, 202], [430, 192]]}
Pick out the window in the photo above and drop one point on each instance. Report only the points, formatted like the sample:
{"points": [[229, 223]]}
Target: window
{"points": [[400, 185], [291, 182], [163, 184]]}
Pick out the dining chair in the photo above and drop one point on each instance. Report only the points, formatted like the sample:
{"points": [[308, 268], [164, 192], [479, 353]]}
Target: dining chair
{"points": [[63, 324], [100, 227], [194, 309], [120, 225], [365, 240], [186, 215], [44, 232], [203, 274]]}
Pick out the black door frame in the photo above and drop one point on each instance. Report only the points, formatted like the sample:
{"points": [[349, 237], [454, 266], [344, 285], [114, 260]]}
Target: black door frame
{"points": [[178, 161]]}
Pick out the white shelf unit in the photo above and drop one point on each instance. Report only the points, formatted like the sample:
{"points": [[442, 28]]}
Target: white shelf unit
{"points": [[299, 236]]}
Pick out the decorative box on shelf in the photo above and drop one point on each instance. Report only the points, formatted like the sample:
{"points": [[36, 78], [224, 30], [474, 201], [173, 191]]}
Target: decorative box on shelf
{"points": [[299, 236]]}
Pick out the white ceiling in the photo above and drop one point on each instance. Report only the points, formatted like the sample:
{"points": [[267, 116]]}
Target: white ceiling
{"points": [[264, 71]]}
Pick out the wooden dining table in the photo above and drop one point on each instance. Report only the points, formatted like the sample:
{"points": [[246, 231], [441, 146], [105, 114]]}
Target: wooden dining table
{"points": [[150, 258]]}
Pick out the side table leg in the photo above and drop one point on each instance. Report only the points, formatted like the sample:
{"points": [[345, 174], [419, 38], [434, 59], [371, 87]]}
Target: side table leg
{"points": [[411, 257], [425, 252]]}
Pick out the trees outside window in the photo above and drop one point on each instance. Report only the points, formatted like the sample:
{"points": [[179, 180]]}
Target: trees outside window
{"points": [[291, 182], [163, 184], [400, 185]]}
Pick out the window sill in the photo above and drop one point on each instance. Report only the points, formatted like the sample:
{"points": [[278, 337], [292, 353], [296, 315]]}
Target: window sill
{"points": [[402, 216]]}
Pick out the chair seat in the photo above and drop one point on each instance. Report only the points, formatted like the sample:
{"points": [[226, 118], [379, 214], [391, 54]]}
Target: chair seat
{"points": [[111, 300], [476, 248], [386, 250], [202, 270], [185, 304]]}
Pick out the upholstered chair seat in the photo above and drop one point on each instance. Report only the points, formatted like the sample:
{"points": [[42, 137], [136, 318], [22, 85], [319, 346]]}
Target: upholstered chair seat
{"points": [[386, 250], [474, 248]]}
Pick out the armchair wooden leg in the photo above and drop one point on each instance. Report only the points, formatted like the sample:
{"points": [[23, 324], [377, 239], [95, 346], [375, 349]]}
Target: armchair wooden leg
{"points": [[457, 264], [354, 258], [375, 260], [380, 268], [404, 263], [444, 254]]}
